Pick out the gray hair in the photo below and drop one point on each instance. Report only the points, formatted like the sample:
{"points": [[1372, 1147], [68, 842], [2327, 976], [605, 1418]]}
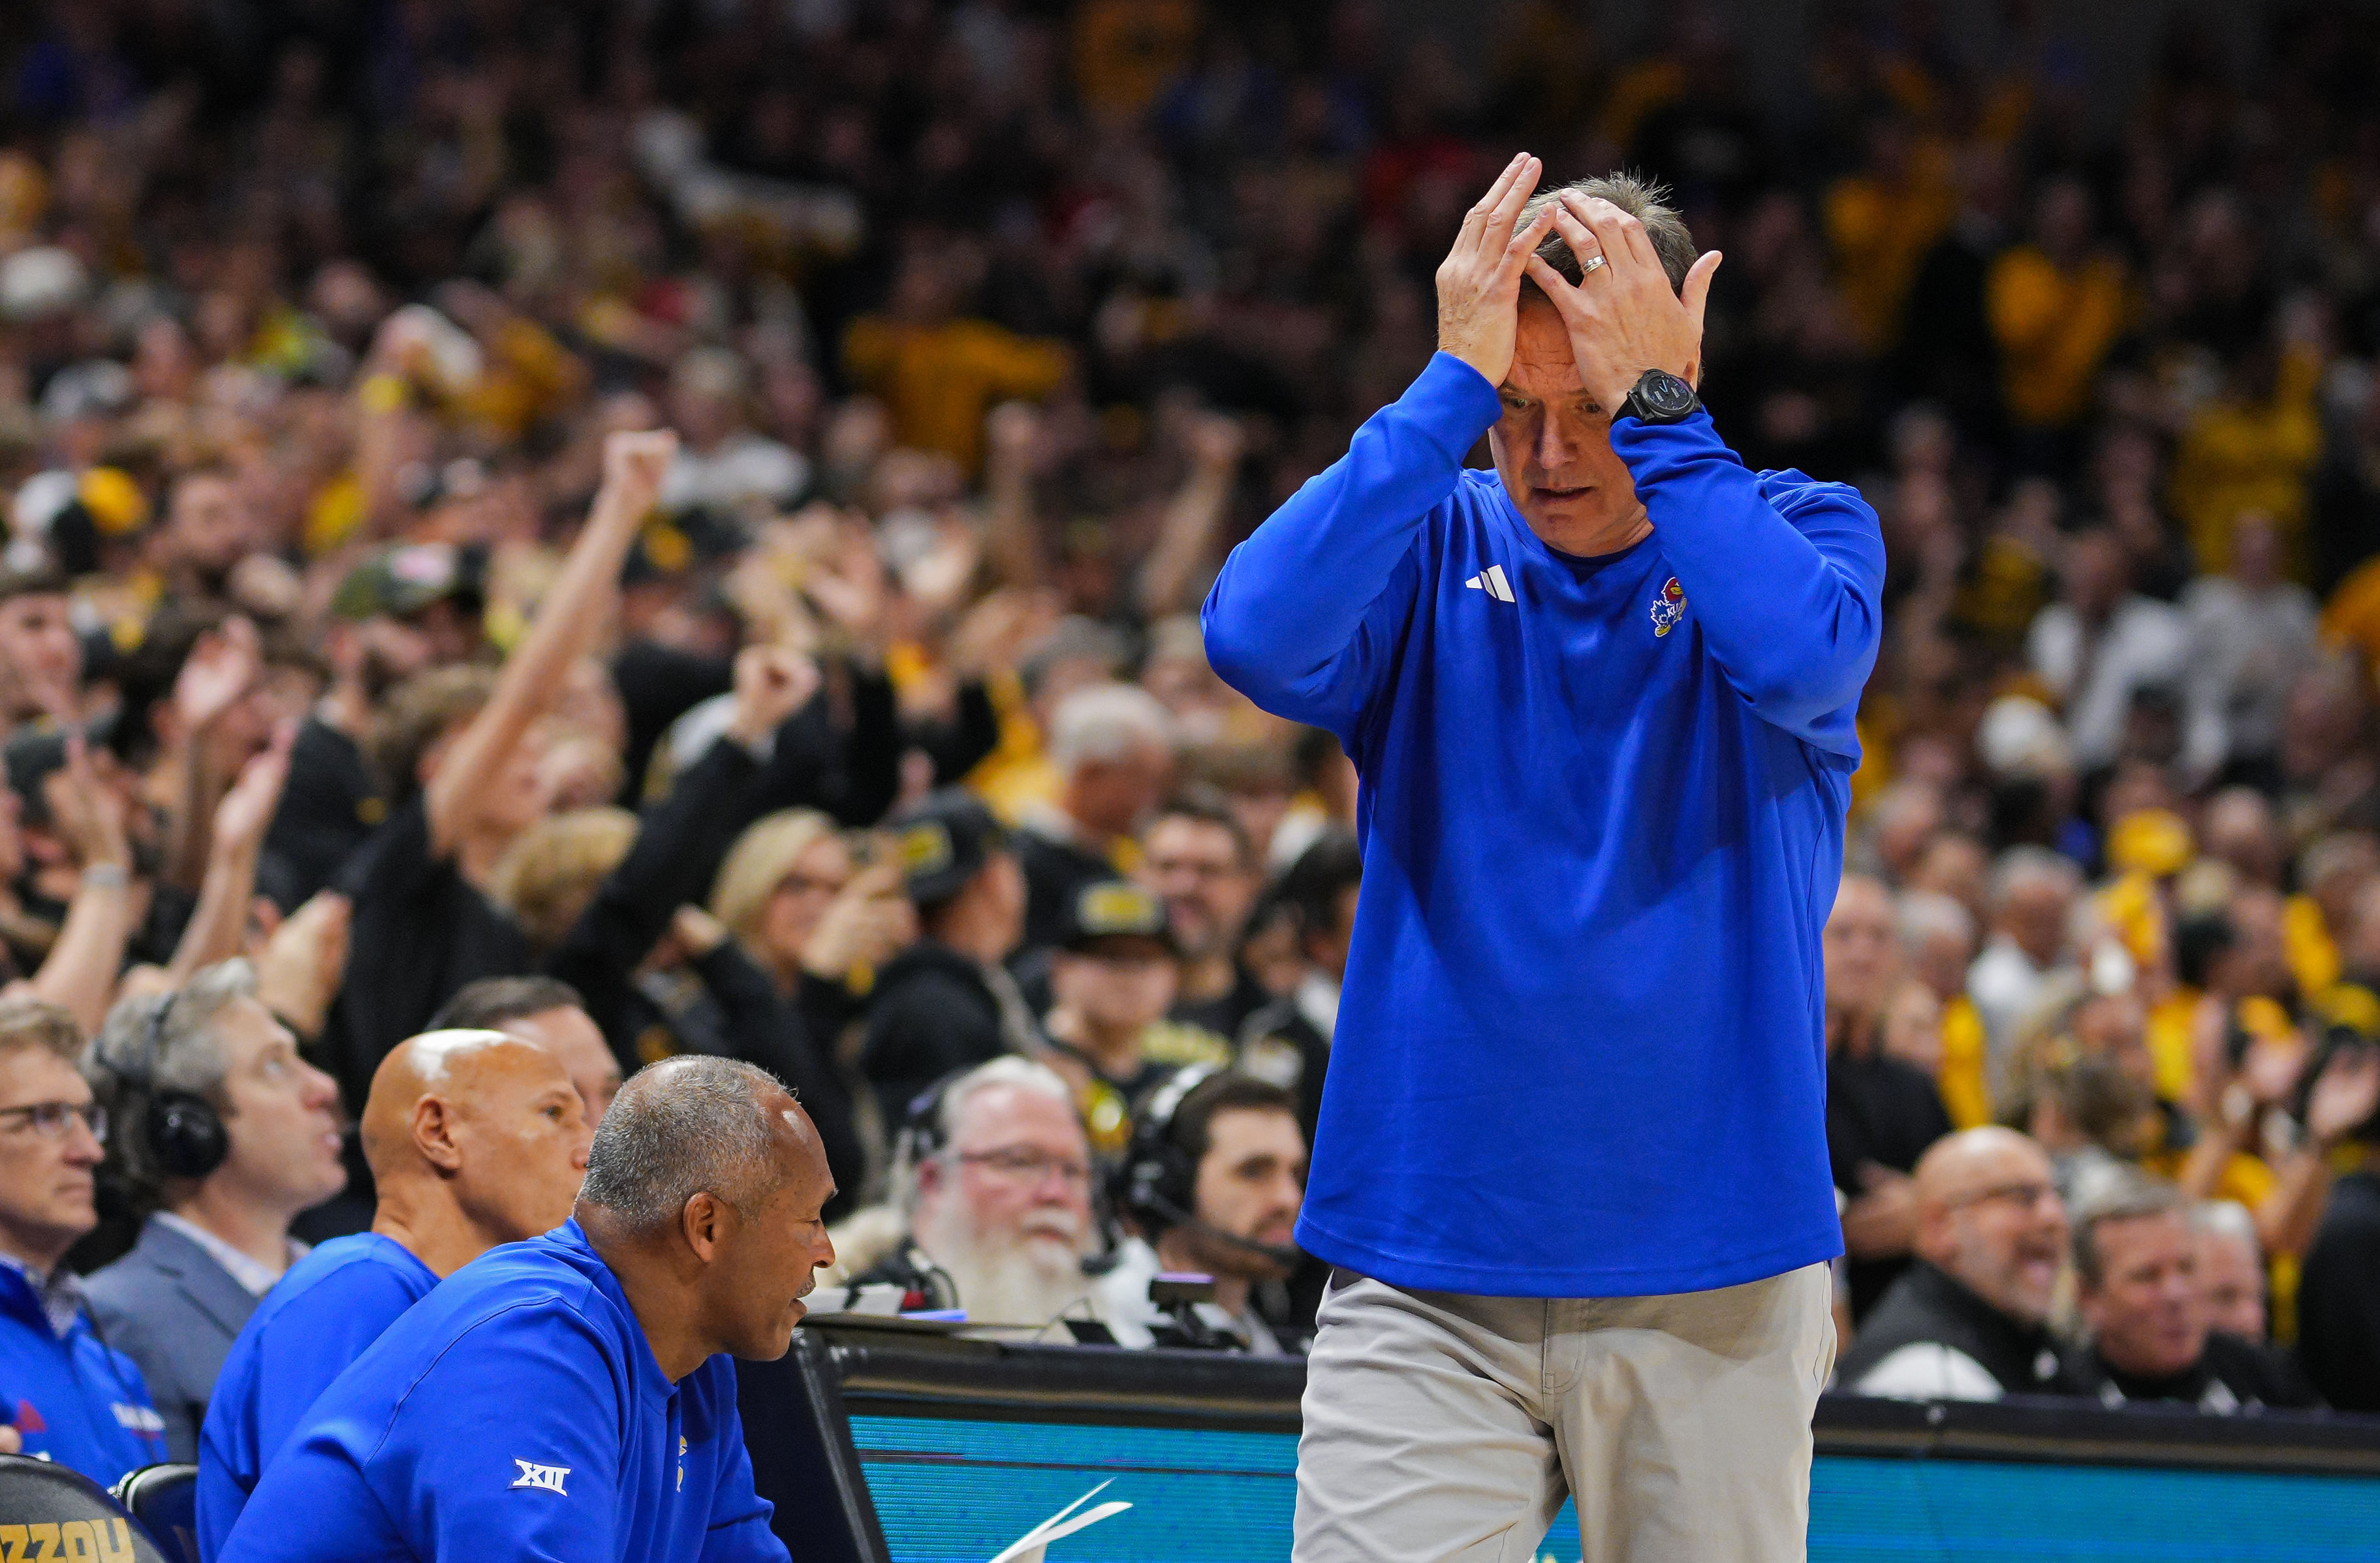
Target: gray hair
{"points": [[167, 1039], [158, 1043], [1107, 721], [2020, 864], [688, 1125], [2226, 1218], [2127, 1197], [1925, 914], [1009, 1069], [1647, 201]]}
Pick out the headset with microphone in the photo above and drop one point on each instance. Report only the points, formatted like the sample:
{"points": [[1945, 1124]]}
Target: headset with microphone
{"points": [[1158, 1183]]}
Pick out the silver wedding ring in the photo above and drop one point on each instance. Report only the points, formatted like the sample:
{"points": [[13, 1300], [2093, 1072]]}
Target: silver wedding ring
{"points": [[1588, 266]]}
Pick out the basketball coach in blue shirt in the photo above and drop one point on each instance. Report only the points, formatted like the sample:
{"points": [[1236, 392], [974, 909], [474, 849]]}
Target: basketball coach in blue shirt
{"points": [[572, 1397], [1572, 1166]]}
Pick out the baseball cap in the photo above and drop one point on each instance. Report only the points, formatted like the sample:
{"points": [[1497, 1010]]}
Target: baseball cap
{"points": [[1107, 909], [942, 841], [403, 581]]}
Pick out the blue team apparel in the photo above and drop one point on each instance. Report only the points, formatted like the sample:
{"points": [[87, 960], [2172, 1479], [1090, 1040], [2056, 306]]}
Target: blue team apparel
{"points": [[514, 1412], [315, 1321], [1580, 1049], [72, 1398]]}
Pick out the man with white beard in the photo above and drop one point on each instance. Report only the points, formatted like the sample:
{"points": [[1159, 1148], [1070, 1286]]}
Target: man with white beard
{"points": [[994, 1170]]}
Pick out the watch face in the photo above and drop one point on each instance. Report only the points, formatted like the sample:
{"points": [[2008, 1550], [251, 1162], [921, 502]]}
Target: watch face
{"points": [[1666, 394]]}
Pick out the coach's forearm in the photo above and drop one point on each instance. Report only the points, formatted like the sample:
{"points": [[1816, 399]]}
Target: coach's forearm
{"points": [[1288, 601], [1791, 606]]}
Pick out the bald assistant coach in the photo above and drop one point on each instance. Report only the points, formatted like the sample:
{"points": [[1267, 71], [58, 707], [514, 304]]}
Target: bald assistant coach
{"points": [[572, 1397]]}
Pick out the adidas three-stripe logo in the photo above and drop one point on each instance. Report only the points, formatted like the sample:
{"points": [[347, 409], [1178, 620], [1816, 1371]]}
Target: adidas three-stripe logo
{"points": [[1491, 581]]}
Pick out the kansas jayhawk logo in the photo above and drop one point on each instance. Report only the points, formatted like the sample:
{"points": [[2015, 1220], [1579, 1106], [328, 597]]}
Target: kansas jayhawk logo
{"points": [[1668, 607]]}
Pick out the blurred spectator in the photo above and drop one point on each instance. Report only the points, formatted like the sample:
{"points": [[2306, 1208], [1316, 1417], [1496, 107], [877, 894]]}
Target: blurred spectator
{"points": [[2056, 306], [462, 753], [1287, 1043], [946, 1002], [2338, 1295], [2237, 828], [1905, 818], [2250, 630], [1112, 746], [2138, 1290], [1213, 1182], [721, 462], [75, 1400], [39, 649], [230, 1136], [545, 1013], [2102, 645], [807, 915], [2247, 451], [1969, 1320], [1938, 942], [994, 1184], [2231, 1269], [1881, 1111], [936, 371], [1114, 977], [1198, 859], [2032, 895], [405, 611]]}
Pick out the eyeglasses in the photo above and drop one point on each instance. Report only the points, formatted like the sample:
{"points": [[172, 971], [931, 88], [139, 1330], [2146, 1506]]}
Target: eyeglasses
{"points": [[49, 1120], [2027, 1194], [807, 884], [1030, 1166]]}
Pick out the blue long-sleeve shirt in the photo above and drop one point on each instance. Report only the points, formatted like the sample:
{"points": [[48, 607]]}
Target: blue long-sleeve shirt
{"points": [[316, 1320], [71, 1397], [1580, 1048], [515, 1413]]}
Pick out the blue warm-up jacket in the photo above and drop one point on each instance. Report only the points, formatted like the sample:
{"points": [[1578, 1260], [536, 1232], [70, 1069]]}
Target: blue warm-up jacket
{"points": [[516, 1411], [1580, 1048], [74, 1399], [316, 1320]]}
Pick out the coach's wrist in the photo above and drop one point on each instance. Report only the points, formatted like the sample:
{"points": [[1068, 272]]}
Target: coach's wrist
{"points": [[1451, 390]]}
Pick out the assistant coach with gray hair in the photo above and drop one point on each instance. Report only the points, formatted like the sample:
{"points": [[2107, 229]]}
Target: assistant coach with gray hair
{"points": [[1601, 700], [572, 1396]]}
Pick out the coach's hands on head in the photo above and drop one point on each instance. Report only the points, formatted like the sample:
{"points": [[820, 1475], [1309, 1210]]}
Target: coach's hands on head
{"points": [[1621, 316], [1479, 281]]}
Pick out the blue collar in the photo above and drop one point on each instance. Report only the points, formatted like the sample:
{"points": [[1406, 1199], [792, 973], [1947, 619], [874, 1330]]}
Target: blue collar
{"points": [[569, 1242]]}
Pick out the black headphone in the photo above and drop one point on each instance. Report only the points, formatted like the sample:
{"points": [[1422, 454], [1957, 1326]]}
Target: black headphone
{"points": [[921, 1135], [1158, 1183], [182, 1130]]}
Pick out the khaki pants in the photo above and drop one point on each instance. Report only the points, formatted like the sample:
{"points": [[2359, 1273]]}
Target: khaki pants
{"points": [[1441, 1426]]}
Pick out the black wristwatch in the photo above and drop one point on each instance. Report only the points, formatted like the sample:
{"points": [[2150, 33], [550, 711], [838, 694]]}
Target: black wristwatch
{"points": [[1661, 398]]}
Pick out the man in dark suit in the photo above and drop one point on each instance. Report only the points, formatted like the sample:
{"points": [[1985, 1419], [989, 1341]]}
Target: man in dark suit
{"points": [[227, 1136]]}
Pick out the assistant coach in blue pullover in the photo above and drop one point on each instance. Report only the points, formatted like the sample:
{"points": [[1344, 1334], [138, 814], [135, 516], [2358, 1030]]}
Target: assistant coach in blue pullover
{"points": [[475, 1138], [572, 1397], [1571, 1165]]}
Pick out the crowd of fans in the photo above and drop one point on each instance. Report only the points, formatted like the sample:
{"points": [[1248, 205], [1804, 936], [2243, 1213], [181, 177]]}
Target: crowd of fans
{"points": [[660, 528]]}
